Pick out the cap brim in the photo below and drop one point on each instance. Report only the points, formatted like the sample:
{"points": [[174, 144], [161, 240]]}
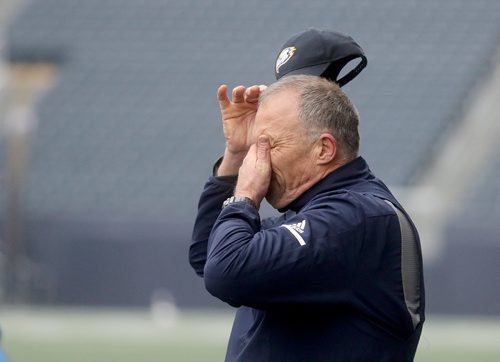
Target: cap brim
{"points": [[310, 70]]}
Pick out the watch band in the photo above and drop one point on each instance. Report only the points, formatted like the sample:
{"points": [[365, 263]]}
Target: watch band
{"points": [[233, 199]]}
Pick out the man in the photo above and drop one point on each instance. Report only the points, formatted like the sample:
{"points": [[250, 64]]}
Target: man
{"points": [[337, 277]]}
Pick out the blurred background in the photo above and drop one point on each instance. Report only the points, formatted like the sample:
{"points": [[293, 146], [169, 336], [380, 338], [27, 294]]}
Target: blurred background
{"points": [[109, 127]]}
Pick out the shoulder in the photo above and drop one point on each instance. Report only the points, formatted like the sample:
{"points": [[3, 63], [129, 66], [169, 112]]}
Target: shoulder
{"points": [[351, 207]]}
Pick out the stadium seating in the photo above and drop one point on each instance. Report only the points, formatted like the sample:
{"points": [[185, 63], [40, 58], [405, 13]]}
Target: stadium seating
{"points": [[131, 128], [483, 202]]}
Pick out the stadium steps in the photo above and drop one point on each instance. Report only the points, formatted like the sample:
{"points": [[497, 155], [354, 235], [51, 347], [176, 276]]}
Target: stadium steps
{"points": [[132, 128]]}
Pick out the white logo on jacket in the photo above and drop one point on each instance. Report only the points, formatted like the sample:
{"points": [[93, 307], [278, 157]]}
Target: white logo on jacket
{"points": [[296, 230]]}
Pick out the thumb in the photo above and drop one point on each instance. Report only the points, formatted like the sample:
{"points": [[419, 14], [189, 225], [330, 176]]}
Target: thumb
{"points": [[263, 161], [263, 148]]}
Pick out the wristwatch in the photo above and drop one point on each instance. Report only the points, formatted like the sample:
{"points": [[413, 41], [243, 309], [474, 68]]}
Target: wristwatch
{"points": [[232, 199]]}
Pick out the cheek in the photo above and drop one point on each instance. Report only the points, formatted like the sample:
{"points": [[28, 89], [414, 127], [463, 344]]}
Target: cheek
{"points": [[281, 177], [275, 166], [276, 170], [282, 163]]}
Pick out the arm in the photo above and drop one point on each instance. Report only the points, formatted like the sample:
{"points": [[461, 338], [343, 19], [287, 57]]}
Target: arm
{"points": [[238, 115], [304, 261], [216, 190]]}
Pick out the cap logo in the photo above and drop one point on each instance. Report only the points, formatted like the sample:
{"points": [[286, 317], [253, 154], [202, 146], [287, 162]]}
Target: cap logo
{"points": [[285, 55]]}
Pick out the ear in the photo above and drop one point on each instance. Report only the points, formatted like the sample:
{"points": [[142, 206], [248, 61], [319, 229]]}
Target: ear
{"points": [[328, 149]]}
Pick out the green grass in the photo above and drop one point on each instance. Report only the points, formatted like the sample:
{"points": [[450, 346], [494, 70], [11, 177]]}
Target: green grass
{"points": [[78, 335], [75, 335]]}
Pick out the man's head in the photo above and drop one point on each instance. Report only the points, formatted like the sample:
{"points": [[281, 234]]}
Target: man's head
{"points": [[313, 129]]}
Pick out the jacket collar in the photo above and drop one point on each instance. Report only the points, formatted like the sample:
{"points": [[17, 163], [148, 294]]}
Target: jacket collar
{"points": [[346, 175]]}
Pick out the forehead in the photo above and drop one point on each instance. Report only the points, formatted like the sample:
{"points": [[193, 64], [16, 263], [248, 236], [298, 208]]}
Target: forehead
{"points": [[278, 113]]}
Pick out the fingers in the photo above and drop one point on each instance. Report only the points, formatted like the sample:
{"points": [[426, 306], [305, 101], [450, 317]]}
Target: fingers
{"points": [[252, 93], [222, 96], [240, 94]]}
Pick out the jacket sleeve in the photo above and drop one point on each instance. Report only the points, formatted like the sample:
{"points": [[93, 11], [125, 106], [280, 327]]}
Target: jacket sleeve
{"points": [[216, 190], [308, 260]]}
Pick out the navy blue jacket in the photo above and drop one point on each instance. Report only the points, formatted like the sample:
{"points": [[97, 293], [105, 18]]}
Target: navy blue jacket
{"points": [[322, 282]]}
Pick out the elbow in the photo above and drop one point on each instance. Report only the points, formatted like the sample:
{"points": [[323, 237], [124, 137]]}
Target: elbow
{"points": [[197, 267], [223, 286], [197, 261]]}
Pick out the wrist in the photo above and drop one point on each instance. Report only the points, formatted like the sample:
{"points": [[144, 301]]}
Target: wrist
{"points": [[231, 163], [248, 195], [236, 198]]}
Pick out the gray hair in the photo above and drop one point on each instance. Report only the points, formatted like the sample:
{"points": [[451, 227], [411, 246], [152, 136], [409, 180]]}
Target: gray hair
{"points": [[322, 107]]}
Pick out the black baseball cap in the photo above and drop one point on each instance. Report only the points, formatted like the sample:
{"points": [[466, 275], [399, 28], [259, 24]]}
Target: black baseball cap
{"points": [[320, 52]]}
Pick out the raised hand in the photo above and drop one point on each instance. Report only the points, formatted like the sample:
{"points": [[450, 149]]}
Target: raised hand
{"points": [[238, 115], [255, 172]]}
